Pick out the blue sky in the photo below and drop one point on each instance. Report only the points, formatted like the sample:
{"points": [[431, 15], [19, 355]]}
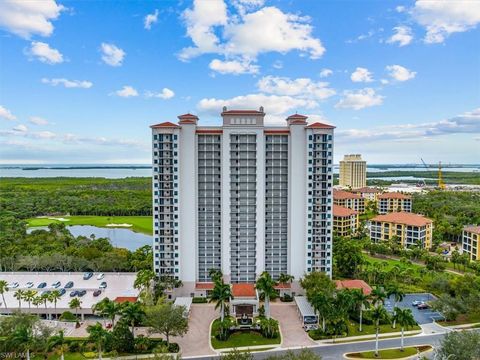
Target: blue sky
{"points": [[81, 81]]}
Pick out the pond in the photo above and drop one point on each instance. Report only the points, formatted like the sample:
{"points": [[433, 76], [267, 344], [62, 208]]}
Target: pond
{"points": [[124, 238]]}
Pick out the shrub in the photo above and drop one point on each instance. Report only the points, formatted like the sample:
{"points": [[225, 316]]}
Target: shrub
{"points": [[286, 298], [122, 338], [173, 348], [143, 344], [269, 328], [67, 316], [199, 300]]}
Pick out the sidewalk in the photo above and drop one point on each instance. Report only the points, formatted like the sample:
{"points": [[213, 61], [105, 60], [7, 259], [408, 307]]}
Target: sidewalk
{"points": [[367, 337]]}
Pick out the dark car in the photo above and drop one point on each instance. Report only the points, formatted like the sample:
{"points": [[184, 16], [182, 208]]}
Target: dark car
{"points": [[61, 292], [41, 285], [74, 293], [103, 285], [81, 292], [87, 275], [422, 306], [97, 292], [69, 285]]}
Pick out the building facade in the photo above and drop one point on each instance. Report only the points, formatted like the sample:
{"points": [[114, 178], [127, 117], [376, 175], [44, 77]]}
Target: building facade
{"points": [[370, 194], [242, 197], [407, 228], [470, 242], [345, 221], [394, 202], [349, 200], [353, 171]]}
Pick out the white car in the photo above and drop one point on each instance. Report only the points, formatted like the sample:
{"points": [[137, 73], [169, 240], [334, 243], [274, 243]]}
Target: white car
{"points": [[56, 285], [100, 276], [13, 285], [29, 284]]}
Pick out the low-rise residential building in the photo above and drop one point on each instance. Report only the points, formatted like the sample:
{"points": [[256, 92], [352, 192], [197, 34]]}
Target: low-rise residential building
{"points": [[368, 193], [394, 202], [345, 221], [349, 200], [354, 284], [409, 229], [470, 241]]}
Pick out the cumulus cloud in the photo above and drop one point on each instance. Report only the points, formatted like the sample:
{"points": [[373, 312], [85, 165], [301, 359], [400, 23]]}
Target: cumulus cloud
{"points": [[361, 75], [360, 99], [248, 33], [112, 55], [127, 91], [43, 52], [301, 87], [38, 120], [278, 64], [234, 67], [442, 18], [6, 114], [20, 128], [150, 19], [27, 18], [402, 36], [83, 84], [165, 94], [325, 73], [400, 73]]}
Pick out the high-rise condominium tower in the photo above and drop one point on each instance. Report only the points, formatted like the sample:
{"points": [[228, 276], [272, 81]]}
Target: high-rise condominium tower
{"points": [[243, 198], [353, 171]]}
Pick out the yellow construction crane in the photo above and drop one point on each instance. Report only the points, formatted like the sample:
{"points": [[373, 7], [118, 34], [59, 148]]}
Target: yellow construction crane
{"points": [[441, 184]]}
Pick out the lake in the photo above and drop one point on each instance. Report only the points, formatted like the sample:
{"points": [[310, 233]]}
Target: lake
{"points": [[119, 237]]}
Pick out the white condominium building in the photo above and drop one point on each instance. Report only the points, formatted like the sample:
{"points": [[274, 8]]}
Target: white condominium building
{"points": [[242, 197], [353, 171]]}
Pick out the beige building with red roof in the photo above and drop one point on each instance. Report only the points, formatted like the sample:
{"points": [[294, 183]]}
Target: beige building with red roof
{"points": [[408, 228], [349, 200], [368, 193], [471, 241], [394, 202], [345, 221]]}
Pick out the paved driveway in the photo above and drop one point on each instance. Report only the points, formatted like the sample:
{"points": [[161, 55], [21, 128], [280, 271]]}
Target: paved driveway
{"points": [[421, 316], [290, 325], [196, 341]]}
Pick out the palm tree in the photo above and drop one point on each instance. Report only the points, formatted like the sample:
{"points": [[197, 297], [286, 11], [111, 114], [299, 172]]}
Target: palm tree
{"points": [[379, 313], [215, 274], [285, 278], [266, 285], [398, 296], [221, 293], [405, 319], [45, 298], [321, 304], [108, 309], [362, 303], [59, 343], [37, 300], [19, 295], [378, 296], [97, 335], [76, 304], [133, 313], [144, 279], [29, 296], [3, 290], [23, 338], [54, 296]]}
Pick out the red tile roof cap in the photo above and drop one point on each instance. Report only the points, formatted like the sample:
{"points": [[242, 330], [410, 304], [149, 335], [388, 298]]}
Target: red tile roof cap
{"points": [[318, 125], [166, 124], [204, 286], [341, 211], [354, 284], [283, 286], [394, 195], [123, 299], [341, 195], [243, 290], [404, 218], [297, 116], [472, 229]]}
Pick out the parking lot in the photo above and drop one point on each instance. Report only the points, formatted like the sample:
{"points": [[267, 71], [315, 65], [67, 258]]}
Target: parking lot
{"points": [[421, 316]]}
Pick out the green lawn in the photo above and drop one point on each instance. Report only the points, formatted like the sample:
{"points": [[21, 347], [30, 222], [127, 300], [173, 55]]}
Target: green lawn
{"points": [[68, 356], [142, 224], [240, 339], [462, 319], [370, 329], [390, 353]]}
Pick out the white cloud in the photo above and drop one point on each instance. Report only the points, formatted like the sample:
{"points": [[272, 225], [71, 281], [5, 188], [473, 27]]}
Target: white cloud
{"points": [[45, 53], [38, 120], [27, 18], [325, 73], [400, 73], [360, 99], [112, 55], [384, 81], [301, 87], [400, 9], [234, 67], [44, 135], [83, 84], [6, 114], [165, 94], [20, 128], [361, 75], [442, 18], [126, 91], [247, 34], [403, 36], [150, 19], [278, 64]]}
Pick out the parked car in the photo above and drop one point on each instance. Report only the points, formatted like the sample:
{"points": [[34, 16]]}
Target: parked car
{"points": [[13, 285], [73, 293], [100, 276], [416, 302], [80, 293], [87, 275], [62, 291], [69, 285], [97, 292], [42, 285], [423, 306], [29, 284], [56, 285], [46, 292], [103, 285]]}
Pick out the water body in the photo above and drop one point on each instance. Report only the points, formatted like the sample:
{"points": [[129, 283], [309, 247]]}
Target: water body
{"points": [[124, 238]]}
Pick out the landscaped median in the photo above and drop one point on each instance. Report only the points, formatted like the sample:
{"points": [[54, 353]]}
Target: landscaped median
{"points": [[393, 353]]}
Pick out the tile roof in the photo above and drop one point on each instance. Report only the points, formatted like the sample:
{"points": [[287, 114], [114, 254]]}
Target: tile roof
{"points": [[204, 286], [285, 131], [188, 119], [340, 195], [318, 125], [404, 218], [354, 284], [283, 286], [243, 290], [394, 195], [472, 229], [166, 124], [341, 211], [297, 116], [123, 299], [207, 131]]}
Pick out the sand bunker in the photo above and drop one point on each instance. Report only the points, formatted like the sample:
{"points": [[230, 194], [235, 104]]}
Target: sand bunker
{"points": [[119, 225], [59, 219]]}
